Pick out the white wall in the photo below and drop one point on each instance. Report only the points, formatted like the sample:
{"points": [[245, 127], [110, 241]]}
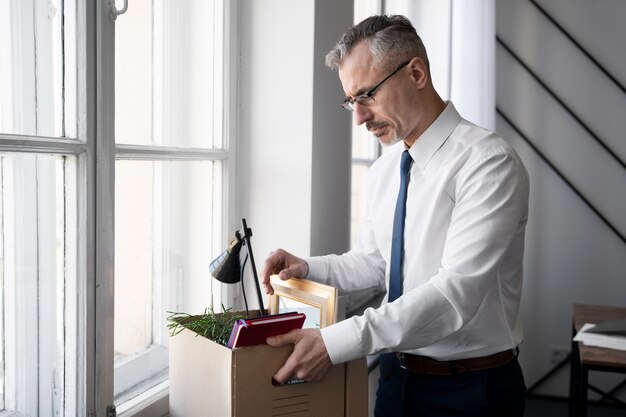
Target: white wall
{"points": [[293, 175], [572, 256]]}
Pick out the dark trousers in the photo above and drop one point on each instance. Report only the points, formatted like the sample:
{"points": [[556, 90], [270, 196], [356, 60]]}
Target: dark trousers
{"points": [[494, 392]]}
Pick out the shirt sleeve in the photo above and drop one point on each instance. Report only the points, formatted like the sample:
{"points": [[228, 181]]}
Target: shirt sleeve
{"points": [[491, 205]]}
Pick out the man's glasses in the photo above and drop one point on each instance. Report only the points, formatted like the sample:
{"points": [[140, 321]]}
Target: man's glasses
{"points": [[367, 98]]}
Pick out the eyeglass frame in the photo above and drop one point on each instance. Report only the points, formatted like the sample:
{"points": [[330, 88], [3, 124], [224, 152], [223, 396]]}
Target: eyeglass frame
{"points": [[367, 98]]}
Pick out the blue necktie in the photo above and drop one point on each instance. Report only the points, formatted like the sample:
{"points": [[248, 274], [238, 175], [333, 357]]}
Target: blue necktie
{"points": [[397, 240]]}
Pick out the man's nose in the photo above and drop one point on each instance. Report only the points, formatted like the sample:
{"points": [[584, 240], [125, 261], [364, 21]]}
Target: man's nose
{"points": [[362, 114]]}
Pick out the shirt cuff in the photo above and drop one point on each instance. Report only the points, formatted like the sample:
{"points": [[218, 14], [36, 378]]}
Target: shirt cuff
{"points": [[318, 269], [342, 341]]}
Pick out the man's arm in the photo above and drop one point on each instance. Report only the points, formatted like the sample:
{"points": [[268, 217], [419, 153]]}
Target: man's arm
{"points": [[358, 269]]}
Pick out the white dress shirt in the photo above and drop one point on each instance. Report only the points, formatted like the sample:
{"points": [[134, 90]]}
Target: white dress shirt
{"points": [[466, 212]]}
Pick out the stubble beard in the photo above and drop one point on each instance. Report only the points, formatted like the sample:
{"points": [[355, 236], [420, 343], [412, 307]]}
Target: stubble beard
{"points": [[394, 139]]}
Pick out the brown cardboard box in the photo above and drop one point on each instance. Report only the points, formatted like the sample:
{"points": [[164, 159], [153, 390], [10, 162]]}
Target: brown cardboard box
{"points": [[208, 379]]}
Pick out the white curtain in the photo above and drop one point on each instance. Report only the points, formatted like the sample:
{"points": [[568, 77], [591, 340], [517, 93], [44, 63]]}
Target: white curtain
{"points": [[460, 39]]}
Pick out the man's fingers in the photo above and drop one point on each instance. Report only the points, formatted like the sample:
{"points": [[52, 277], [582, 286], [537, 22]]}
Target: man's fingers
{"points": [[290, 338], [286, 371], [299, 269], [268, 288], [273, 264], [309, 360], [285, 265], [287, 273], [276, 262]]}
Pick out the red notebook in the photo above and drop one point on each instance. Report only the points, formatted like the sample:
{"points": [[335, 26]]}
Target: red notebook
{"points": [[249, 332]]}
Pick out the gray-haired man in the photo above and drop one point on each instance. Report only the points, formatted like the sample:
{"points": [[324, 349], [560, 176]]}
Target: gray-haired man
{"points": [[444, 232]]}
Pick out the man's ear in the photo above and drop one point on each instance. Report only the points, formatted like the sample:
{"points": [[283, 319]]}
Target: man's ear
{"points": [[419, 72]]}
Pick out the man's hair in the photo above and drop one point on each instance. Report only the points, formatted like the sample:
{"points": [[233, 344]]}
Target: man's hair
{"points": [[391, 39]]}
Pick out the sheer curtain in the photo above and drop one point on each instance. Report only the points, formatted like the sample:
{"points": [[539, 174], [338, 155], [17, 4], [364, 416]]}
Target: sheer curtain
{"points": [[460, 39]]}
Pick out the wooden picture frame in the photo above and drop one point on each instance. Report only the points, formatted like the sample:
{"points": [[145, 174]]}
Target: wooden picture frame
{"points": [[304, 296]]}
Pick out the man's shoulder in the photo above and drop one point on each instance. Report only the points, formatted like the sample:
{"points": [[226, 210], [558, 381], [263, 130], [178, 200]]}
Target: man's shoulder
{"points": [[478, 143]]}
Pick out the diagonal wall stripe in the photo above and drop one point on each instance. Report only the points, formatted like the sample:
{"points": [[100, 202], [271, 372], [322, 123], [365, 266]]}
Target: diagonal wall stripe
{"points": [[562, 103], [579, 46], [558, 172]]}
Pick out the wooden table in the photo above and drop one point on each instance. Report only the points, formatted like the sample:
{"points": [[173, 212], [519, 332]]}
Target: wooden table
{"points": [[586, 358]]}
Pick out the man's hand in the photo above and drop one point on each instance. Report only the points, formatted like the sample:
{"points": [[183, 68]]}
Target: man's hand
{"points": [[285, 265], [309, 360]]}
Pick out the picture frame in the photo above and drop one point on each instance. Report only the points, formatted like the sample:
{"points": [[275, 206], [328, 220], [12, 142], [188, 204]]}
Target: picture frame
{"points": [[317, 301]]}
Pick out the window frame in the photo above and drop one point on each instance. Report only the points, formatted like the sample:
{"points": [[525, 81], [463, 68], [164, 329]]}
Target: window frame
{"points": [[155, 399], [147, 362], [25, 77], [93, 145]]}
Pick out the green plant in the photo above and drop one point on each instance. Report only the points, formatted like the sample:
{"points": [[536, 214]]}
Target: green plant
{"points": [[216, 327]]}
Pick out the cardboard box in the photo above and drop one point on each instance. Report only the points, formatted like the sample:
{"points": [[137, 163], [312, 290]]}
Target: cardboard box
{"points": [[208, 379]]}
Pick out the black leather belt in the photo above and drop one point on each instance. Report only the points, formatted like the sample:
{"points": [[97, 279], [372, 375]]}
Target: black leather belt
{"points": [[430, 366]]}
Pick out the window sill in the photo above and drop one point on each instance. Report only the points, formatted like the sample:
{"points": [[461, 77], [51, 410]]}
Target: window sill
{"points": [[151, 403]]}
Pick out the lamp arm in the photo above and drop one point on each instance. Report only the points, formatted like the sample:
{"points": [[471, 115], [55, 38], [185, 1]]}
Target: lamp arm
{"points": [[247, 233], [243, 288]]}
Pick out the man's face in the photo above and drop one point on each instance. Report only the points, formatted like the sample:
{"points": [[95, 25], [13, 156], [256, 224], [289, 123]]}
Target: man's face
{"points": [[391, 116]]}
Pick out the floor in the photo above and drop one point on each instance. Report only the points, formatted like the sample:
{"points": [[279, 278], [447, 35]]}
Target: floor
{"points": [[537, 407]]}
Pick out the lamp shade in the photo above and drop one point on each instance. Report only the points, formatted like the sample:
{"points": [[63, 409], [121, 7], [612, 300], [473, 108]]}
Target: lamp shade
{"points": [[226, 268]]}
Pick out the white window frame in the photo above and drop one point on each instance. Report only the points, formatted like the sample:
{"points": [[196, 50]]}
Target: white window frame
{"points": [[27, 343], [154, 400], [92, 144]]}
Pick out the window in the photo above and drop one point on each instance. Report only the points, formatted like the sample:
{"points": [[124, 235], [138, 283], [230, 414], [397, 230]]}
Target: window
{"points": [[365, 148], [168, 177], [37, 282], [108, 219], [39, 152]]}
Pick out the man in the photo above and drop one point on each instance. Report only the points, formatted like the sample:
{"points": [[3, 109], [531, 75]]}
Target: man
{"points": [[446, 236]]}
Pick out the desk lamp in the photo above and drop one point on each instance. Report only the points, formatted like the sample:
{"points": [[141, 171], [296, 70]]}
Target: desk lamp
{"points": [[227, 267]]}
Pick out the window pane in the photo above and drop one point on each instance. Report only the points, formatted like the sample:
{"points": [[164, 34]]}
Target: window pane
{"points": [[38, 68], [357, 208], [38, 281], [365, 150], [166, 223], [364, 144], [365, 147], [167, 89]]}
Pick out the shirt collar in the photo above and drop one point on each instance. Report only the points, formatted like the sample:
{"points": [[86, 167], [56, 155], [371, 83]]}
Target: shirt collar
{"points": [[431, 140]]}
